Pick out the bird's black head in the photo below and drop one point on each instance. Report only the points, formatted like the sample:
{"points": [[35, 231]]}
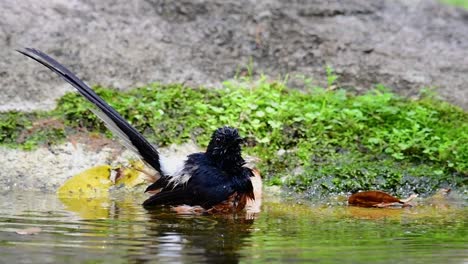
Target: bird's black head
{"points": [[225, 148]]}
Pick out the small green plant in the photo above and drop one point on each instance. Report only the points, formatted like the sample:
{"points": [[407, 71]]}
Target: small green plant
{"points": [[331, 77], [246, 73]]}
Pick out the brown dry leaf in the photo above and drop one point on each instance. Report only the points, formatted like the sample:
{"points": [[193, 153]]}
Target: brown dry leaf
{"points": [[29, 231], [373, 199]]}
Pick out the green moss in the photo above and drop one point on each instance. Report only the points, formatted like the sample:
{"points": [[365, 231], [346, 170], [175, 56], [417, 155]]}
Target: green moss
{"points": [[324, 140]]}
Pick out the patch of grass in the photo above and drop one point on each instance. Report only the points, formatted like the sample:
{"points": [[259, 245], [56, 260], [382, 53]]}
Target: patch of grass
{"points": [[11, 125], [319, 140], [28, 130], [461, 3]]}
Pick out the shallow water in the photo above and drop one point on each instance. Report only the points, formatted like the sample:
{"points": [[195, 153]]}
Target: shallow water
{"points": [[119, 230]]}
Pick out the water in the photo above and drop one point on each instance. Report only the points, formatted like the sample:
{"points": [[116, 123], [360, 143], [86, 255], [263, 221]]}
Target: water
{"points": [[119, 230]]}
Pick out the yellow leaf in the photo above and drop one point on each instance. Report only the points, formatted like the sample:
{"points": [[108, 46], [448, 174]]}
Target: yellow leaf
{"points": [[88, 208], [94, 182], [87, 193], [131, 176]]}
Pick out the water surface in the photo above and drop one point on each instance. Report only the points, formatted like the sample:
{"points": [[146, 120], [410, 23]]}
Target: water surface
{"points": [[119, 230]]}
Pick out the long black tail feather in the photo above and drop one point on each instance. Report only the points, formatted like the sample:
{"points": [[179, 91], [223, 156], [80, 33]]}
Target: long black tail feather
{"points": [[110, 116]]}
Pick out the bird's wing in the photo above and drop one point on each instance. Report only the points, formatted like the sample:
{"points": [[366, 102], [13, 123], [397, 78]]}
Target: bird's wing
{"points": [[206, 186], [177, 196], [131, 138]]}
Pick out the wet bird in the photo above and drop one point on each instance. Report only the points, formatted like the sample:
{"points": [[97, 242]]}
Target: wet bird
{"points": [[215, 180]]}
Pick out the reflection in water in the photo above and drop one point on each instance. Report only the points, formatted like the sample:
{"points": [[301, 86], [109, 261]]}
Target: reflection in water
{"points": [[165, 235], [119, 230], [180, 238]]}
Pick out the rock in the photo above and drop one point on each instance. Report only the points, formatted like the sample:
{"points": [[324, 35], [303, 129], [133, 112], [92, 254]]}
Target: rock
{"points": [[403, 44], [47, 168]]}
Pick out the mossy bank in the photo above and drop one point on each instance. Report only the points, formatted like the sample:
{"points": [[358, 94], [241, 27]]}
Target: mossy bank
{"points": [[316, 141]]}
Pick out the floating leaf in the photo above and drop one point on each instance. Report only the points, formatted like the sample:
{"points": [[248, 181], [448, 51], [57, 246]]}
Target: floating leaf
{"points": [[373, 199], [94, 182], [87, 193], [131, 176]]}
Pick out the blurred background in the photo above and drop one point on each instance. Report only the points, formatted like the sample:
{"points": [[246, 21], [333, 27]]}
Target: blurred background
{"points": [[403, 44]]}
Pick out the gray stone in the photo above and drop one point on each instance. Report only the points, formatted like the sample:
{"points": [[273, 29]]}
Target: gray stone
{"points": [[46, 169], [403, 44]]}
